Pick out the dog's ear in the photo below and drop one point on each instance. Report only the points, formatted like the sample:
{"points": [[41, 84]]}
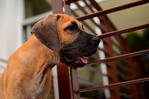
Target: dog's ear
{"points": [[46, 31]]}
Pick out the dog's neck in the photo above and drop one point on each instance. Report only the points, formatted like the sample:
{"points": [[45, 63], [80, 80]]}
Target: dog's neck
{"points": [[42, 52]]}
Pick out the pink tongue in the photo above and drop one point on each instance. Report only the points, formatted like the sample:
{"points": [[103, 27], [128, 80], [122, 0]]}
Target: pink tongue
{"points": [[83, 60]]}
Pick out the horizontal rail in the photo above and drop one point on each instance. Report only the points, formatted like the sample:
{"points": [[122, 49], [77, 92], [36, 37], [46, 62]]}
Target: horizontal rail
{"points": [[84, 23], [120, 57], [3, 60], [115, 84], [118, 8], [124, 30]]}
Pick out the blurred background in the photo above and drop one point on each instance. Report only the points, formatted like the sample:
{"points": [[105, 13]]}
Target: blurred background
{"points": [[18, 16]]}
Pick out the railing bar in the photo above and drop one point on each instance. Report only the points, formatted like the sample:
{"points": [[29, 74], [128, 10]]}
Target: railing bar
{"points": [[85, 12], [126, 95], [120, 57], [118, 8], [82, 81], [124, 30], [84, 98], [88, 6], [115, 84], [85, 24], [35, 18]]}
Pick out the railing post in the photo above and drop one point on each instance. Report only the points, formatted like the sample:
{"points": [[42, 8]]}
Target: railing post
{"points": [[64, 82], [63, 71]]}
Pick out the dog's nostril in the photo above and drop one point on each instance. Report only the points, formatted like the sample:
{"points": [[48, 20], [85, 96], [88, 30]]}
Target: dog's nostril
{"points": [[96, 39]]}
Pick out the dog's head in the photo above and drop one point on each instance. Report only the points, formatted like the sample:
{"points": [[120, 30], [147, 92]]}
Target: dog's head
{"points": [[64, 34]]}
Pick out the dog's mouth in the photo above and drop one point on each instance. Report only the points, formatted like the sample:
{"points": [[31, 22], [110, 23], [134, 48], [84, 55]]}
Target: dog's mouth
{"points": [[73, 60]]}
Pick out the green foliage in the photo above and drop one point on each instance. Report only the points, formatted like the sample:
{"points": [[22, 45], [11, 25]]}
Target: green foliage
{"points": [[138, 42], [146, 38], [135, 41]]}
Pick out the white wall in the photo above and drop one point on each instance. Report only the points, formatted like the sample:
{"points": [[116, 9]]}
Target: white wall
{"points": [[11, 17]]}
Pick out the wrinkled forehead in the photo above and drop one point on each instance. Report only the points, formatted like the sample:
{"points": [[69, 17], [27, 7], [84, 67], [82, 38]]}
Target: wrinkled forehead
{"points": [[67, 20]]}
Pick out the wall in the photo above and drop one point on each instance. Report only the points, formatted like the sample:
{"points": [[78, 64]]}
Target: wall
{"points": [[128, 17], [11, 17]]}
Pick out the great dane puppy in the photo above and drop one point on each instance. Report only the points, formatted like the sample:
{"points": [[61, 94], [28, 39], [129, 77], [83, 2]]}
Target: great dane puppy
{"points": [[55, 39]]}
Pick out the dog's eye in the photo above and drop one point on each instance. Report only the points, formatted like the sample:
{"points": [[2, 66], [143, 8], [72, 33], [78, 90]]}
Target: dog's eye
{"points": [[72, 27]]}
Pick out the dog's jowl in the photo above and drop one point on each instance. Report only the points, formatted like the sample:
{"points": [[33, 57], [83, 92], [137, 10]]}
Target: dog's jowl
{"points": [[55, 39]]}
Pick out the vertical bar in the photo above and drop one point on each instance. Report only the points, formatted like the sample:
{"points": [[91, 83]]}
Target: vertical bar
{"points": [[74, 84], [62, 70], [57, 6], [112, 71], [64, 81]]}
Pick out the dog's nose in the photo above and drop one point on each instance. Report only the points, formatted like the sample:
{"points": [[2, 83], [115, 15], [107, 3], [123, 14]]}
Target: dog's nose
{"points": [[96, 39]]}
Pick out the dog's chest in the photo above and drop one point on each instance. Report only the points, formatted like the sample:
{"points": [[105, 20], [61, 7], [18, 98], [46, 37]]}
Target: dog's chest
{"points": [[40, 85]]}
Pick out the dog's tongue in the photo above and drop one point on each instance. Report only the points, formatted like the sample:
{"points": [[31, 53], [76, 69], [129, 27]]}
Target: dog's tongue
{"points": [[83, 60]]}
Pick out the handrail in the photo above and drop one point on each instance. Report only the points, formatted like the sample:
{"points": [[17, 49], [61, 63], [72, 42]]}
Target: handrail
{"points": [[118, 32], [120, 57], [118, 8], [3, 60]]}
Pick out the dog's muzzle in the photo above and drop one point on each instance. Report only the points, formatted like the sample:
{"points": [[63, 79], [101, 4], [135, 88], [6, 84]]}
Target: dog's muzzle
{"points": [[74, 54]]}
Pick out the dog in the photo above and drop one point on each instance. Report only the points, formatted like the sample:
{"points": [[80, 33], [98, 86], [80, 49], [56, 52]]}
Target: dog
{"points": [[57, 38]]}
